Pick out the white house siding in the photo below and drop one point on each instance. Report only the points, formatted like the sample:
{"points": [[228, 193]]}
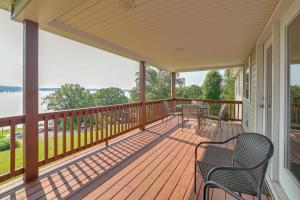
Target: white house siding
{"points": [[239, 85], [249, 104], [238, 91]]}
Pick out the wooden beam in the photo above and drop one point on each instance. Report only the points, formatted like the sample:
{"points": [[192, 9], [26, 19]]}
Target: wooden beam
{"points": [[173, 85], [30, 99], [142, 95]]}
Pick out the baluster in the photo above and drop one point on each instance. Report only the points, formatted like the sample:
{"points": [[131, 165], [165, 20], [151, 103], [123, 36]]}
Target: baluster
{"points": [[91, 128], [64, 132], [85, 128], [12, 148], [115, 120], [55, 137], [72, 132], [97, 126], [106, 126], [110, 123], [46, 142], [118, 118], [102, 126], [79, 130], [122, 119], [126, 118]]}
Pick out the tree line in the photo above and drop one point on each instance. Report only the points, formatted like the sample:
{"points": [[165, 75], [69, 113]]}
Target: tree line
{"points": [[214, 87], [157, 86], [71, 96]]}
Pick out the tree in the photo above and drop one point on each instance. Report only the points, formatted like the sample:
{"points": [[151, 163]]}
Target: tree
{"points": [[110, 96], [295, 102], [212, 86], [295, 93], [193, 91], [158, 84], [134, 94], [228, 85], [69, 96]]}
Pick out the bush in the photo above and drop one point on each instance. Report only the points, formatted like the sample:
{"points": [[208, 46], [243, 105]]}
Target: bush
{"points": [[5, 144]]}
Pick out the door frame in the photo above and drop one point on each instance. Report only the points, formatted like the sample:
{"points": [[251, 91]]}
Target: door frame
{"points": [[266, 119], [272, 37], [274, 118]]}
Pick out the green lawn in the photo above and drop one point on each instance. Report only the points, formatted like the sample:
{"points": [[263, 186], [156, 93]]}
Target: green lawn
{"points": [[5, 132], [5, 155]]}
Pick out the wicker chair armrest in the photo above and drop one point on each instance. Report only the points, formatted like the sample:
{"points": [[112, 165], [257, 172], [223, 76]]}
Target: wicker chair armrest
{"points": [[233, 168], [170, 110], [222, 142], [209, 184]]}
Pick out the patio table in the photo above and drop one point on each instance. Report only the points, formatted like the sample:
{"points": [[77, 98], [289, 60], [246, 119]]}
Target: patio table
{"points": [[200, 113]]}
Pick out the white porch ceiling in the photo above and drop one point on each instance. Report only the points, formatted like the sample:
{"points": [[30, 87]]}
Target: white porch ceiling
{"points": [[176, 35]]}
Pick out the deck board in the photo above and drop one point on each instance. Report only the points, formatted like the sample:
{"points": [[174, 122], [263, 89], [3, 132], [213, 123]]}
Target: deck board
{"points": [[157, 163]]}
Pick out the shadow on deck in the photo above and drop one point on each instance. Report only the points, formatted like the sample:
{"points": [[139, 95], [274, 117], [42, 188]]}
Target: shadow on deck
{"points": [[153, 164]]}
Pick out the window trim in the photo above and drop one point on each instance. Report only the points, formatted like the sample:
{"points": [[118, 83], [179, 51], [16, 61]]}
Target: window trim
{"points": [[247, 71], [287, 128]]}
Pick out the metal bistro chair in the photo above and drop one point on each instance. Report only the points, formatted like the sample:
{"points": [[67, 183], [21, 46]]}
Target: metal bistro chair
{"points": [[241, 170], [220, 116], [171, 111], [203, 113], [190, 112]]}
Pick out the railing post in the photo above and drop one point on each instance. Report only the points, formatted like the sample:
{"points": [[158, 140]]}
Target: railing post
{"points": [[173, 88], [173, 85], [30, 99], [142, 95]]}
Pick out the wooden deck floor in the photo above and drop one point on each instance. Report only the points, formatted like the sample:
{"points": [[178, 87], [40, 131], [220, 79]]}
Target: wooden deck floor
{"points": [[152, 164]]}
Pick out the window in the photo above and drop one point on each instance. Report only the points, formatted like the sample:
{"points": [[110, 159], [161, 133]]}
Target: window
{"points": [[293, 107], [247, 80]]}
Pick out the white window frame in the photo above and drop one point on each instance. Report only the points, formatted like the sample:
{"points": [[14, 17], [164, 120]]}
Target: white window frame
{"points": [[247, 72]]}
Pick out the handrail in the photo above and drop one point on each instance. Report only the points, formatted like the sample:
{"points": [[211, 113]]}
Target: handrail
{"points": [[233, 110], [208, 100]]}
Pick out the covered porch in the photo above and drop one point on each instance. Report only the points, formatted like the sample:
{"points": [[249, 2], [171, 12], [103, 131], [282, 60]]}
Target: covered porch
{"points": [[125, 151]]}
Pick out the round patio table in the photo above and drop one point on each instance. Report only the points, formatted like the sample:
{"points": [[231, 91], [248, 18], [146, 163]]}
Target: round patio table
{"points": [[200, 113]]}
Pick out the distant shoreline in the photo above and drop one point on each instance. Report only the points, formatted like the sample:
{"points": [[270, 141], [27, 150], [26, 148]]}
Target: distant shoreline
{"points": [[13, 89]]}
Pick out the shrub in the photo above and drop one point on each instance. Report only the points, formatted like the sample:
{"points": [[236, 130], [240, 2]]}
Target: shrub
{"points": [[5, 144]]}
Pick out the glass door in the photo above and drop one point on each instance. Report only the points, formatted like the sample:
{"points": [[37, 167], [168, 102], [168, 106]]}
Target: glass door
{"points": [[293, 107], [268, 65], [268, 89]]}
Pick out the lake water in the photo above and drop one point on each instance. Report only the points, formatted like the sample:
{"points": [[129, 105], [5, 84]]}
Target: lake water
{"points": [[11, 104]]}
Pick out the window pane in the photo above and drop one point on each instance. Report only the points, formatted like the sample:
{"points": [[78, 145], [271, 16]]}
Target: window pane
{"points": [[293, 153]]}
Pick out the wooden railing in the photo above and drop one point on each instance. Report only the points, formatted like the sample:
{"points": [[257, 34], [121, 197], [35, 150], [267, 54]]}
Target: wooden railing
{"points": [[295, 115], [233, 110], [155, 110], [10, 124], [64, 133]]}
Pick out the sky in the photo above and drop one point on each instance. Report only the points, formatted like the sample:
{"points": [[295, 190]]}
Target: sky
{"points": [[66, 61], [295, 74]]}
